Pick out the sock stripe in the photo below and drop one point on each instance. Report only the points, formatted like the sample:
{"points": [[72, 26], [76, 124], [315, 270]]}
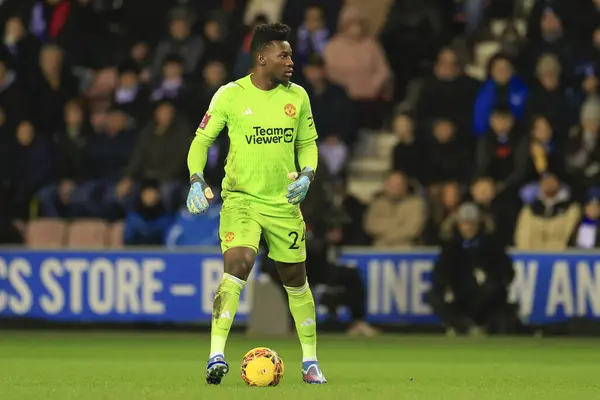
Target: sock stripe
{"points": [[298, 290], [234, 279]]}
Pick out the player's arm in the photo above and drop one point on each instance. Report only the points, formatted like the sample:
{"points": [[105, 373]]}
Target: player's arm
{"points": [[306, 139], [212, 124], [307, 153]]}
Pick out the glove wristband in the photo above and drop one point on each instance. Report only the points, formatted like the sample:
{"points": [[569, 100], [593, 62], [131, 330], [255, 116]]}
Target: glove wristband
{"points": [[197, 177], [308, 172]]}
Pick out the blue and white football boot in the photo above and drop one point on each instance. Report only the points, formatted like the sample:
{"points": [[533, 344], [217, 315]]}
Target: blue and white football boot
{"points": [[311, 373], [216, 369]]}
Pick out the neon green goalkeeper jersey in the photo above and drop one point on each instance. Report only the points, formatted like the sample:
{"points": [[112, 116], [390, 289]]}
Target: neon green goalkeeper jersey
{"points": [[267, 131]]}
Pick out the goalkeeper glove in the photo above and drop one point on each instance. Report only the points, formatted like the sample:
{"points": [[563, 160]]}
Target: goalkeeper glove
{"points": [[296, 191], [199, 194]]}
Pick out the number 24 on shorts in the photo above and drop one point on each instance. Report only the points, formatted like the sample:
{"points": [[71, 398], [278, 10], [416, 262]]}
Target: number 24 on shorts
{"points": [[295, 236]]}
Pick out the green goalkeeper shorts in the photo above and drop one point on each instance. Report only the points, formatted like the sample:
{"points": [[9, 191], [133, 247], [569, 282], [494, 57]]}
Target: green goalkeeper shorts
{"points": [[242, 224]]}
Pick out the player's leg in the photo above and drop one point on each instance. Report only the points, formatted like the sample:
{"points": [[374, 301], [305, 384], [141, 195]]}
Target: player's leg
{"points": [[285, 238], [240, 236]]}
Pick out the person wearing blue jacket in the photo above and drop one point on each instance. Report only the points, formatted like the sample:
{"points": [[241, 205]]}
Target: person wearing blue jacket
{"points": [[502, 88], [148, 222]]}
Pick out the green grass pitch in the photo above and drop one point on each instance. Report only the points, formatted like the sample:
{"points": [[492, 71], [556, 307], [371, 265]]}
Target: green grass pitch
{"points": [[130, 366]]}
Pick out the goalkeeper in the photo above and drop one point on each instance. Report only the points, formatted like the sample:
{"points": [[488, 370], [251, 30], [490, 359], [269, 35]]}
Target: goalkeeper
{"points": [[270, 127]]}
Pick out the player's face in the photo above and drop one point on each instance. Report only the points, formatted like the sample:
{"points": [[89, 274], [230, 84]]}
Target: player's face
{"points": [[279, 61]]}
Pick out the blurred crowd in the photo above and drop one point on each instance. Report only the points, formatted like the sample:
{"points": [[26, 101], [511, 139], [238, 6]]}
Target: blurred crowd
{"points": [[99, 101]]}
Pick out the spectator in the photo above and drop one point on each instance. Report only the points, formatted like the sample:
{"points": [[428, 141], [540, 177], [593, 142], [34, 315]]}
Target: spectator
{"points": [[172, 85], [449, 92], [347, 213], [160, 154], [243, 60], [498, 213], [33, 168], [48, 18], [443, 213], [342, 284], [312, 35], [585, 87], [447, 159], [547, 97], [486, 218], [89, 35], [396, 217], [552, 40], [536, 155], [367, 79], [583, 149], [181, 42], [140, 56], [409, 152], [55, 199], [105, 157], [502, 89], [20, 48], [101, 90], [335, 156], [214, 76], [495, 153], [131, 95], [586, 234], [294, 12], [217, 45], [271, 9], [53, 85], [148, 223], [328, 103], [12, 98], [470, 279], [547, 223]]}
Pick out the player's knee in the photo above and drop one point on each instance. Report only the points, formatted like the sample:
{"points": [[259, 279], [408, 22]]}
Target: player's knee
{"points": [[239, 263], [292, 275]]}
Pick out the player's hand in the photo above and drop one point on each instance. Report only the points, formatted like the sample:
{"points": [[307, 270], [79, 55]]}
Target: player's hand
{"points": [[199, 194], [296, 191]]}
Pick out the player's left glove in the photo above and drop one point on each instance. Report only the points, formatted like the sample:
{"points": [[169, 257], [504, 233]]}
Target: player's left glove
{"points": [[296, 191]]}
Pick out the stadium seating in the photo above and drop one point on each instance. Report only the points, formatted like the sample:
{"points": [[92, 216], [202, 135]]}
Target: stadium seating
{"points": [[114, 237], [46, 233], [87, 234]]}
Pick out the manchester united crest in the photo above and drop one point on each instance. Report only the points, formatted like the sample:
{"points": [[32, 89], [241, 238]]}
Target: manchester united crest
{"points": [[290, 110], [229, 236]]}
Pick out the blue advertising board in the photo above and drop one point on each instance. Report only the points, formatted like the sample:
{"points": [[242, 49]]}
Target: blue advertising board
{"points": [[169, 286]]}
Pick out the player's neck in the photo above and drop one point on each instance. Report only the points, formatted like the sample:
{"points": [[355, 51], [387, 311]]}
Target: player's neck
{"points": [[263, 82]]}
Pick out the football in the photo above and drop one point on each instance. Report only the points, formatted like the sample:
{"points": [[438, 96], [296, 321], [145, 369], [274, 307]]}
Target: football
{"points": [[262, 367]]}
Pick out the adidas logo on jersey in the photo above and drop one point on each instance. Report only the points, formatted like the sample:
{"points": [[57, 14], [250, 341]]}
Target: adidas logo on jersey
{"points": [[248, 111]]}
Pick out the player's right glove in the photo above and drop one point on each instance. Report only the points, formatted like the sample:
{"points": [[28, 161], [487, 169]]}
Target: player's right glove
{"points": [[199, 194]]}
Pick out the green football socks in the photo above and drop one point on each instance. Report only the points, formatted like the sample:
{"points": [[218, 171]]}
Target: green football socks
{"points": [[302, 307], [225, 305]]}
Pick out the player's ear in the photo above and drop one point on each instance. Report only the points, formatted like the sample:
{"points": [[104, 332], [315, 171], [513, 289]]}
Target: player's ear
{"points": [[261, 60]]}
